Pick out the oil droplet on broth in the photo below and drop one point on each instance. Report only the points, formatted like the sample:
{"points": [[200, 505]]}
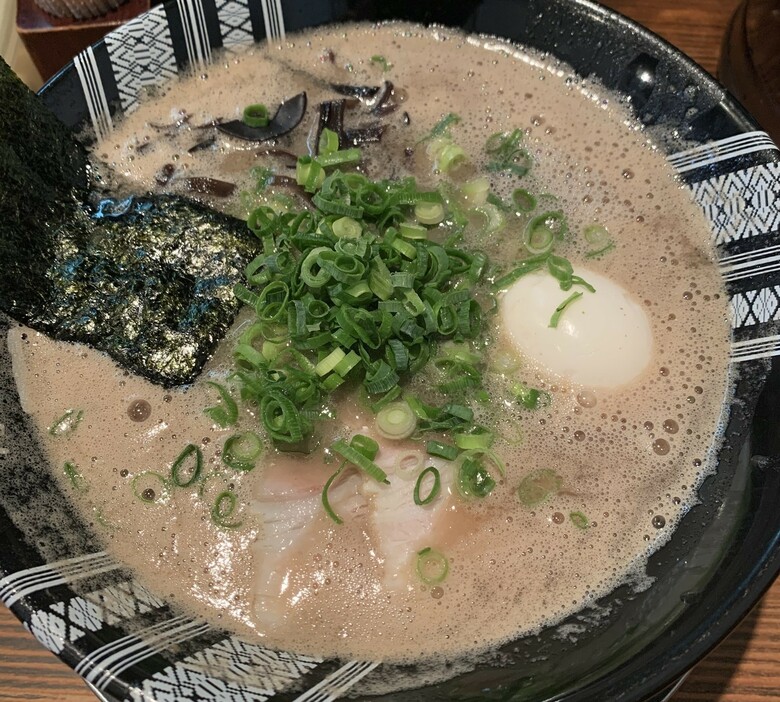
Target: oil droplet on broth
{"points": [[670, 426], [659, 522], [661, 447], [139, 410]]}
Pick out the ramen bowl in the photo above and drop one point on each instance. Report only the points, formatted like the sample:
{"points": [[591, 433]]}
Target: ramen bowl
{"points": [[128, 643]]}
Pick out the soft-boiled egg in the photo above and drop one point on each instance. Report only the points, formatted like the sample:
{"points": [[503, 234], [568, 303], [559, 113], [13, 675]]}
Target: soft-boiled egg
{"points": [[602, 340]]}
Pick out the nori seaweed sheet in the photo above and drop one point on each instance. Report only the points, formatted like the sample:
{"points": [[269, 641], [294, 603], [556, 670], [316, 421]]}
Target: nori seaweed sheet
{"points": [[146, 279]]}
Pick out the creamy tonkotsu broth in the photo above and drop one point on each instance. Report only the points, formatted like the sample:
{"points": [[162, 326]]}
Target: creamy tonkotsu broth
{"points": [[628, 449]]}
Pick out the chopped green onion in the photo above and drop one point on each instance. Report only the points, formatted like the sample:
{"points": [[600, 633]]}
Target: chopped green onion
{"points": [[241, 451], [601, 251], [381, 61], [504, 362], [365, 445], [256, 115], [100, 518], [478, 438], [327, 364], [597, 235], [490, 455], [538, 486], [449, 157], [446, 451], [336, 206], [226, 412], [248, 357], [474, 479], [150, 487], [530, 398], [494, 219], [392, 394], [579, 520], [524, 201], [458, 365], [435, 487], [408, 464], [538, 239], [351, 455], [270, 351], [213, 483], [329, 142], [442, 127], [281, 419], [263, 177], [67, 423], [261, 217], [456, 354], [350, 290], [324, 497], [190, 458], [481, 396], [309, 173], [409, 230], [498, 141], [346, 364], [332, 382], [576, 280], [396, 421], [561, 269], [507, 153], [74, 475], [475, 192], [432, 566], [494, 199], [347, 228], [339, 158], [542, 231], [560, 309], [222, 510], [429, 212], [380, 378], [529, 265], [311, 263], [406, 249]]}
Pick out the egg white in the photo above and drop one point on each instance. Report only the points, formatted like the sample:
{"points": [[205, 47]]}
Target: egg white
{"points": [[603, 339]]}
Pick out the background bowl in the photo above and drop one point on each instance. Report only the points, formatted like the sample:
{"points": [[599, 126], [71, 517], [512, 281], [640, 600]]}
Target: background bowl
{"points": [[123, 639]]}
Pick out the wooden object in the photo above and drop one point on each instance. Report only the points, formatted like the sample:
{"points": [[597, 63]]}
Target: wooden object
{"points": [[744, 668], [53, 41]]}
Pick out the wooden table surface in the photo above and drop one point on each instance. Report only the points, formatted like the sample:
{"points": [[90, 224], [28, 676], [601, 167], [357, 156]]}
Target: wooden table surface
{"points": [[744, 668]]}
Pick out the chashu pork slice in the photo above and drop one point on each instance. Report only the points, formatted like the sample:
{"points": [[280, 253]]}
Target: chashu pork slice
{"points": [[289, 509], [399, 528]]}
